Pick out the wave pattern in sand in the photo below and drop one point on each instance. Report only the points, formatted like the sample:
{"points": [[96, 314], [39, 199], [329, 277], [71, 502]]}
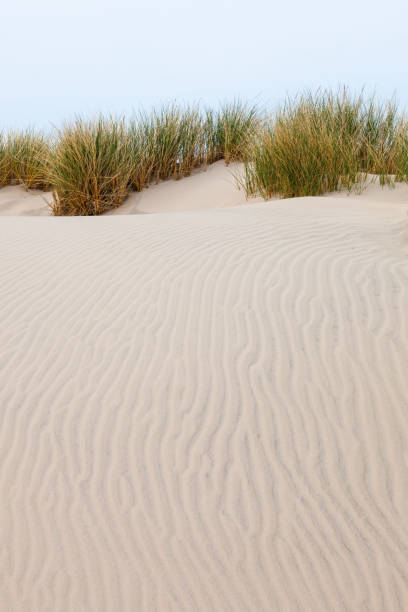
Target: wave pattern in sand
{"points": [[205, 411]]}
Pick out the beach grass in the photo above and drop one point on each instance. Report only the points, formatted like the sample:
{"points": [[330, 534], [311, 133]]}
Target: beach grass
{"points": [[230, 130], [90, 167], [95, 164], [167, 143], [401, 154], [322, 142], [24, 158], [172, 141], [315, 143]]}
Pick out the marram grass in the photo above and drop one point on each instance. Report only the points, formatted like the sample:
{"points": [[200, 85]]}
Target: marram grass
{"points": [[172, 141], [90, 167], [25, 158], [229, 131], [323, 142], [315, 143]]}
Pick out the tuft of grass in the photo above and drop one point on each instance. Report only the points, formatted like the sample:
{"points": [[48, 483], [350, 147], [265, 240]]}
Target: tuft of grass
{"points": [[90, 167], [168, 143], [24, 158], [141, 136], [230, 131], [322, 142], [401, 153], [192, 151], [381, 127], [3, 162], [315, 143], [166, 138], [172, 141]]}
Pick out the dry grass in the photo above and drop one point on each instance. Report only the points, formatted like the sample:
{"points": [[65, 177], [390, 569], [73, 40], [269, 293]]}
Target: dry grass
{"points": [[24, 158], [401, 154], [230, 131], [323, 142], [90, 167], [172, 141], [95, 164], [314, 144], [168, 143]]}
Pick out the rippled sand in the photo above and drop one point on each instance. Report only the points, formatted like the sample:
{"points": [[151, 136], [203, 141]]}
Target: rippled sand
{"points": [[206, 410]]}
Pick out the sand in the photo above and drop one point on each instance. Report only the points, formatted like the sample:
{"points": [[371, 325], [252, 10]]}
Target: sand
{"points": [[216, 187], [15, 200], [206, 411]]}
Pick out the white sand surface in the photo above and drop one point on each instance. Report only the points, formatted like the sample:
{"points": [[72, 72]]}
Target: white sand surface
{"points": [[206, 411], [16, 200], [216, 187]]}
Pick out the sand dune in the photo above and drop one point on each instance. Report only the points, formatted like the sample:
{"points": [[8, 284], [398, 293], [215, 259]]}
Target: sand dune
{"points": [[206, 410], [214, 188], [15, 200]]}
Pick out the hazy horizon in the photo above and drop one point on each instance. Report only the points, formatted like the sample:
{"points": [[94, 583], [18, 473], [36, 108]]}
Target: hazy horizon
{"points": [[90, 57]]}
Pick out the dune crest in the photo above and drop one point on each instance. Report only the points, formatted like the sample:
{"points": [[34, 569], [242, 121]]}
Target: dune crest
{"points": [[206, 410]]}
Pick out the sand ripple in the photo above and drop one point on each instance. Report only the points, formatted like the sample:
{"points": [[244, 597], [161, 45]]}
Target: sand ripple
{"points": [[205, 411]]}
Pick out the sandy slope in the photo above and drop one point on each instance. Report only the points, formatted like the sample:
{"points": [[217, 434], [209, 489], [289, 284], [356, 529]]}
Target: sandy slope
{"points": [[15, 200], [214, 188], [206, 410]]}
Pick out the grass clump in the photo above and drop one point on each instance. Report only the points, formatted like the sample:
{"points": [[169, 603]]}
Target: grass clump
{"points": [[142, 145], [401, 153], [229, 131], [3, 170], [382, 126], [178, 141], [192, 152], [168, 143], [172, 141], [322, 142], [24, 158], [90, 167], [315, 143]]}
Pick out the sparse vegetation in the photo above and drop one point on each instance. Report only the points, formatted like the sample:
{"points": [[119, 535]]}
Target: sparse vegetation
{"points": [[315, 143], [168, 143], [323, 142], [230, 131], [24, 158], [173, 141], [90, 167], [400, 154]]}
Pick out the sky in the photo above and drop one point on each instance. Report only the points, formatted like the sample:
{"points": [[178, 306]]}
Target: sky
{"points": [[61, 58]]}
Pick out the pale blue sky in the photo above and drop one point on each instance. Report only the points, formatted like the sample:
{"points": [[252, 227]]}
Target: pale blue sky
{"points": [[83, 56]]}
